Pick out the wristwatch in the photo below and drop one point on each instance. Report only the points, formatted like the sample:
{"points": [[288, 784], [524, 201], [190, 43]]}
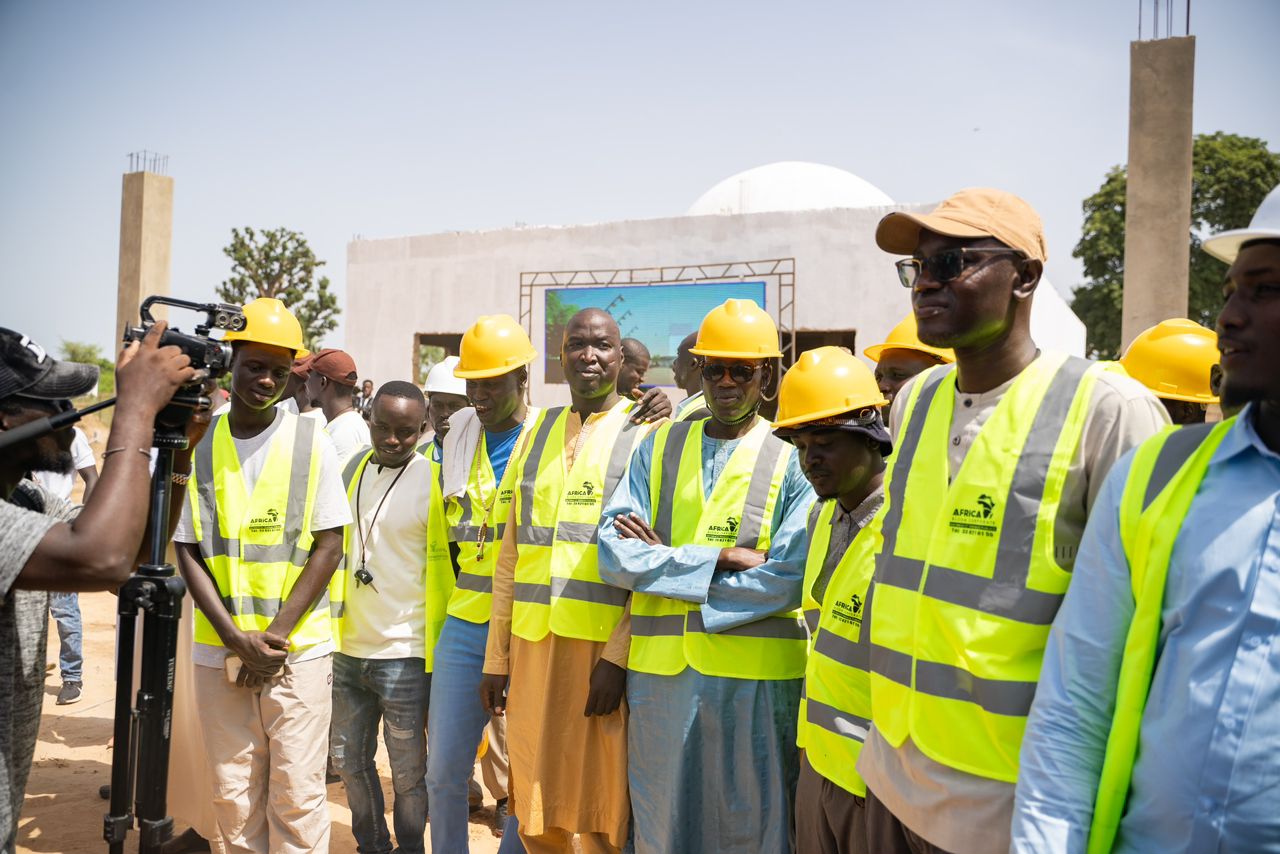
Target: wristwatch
{"points": [[180, 478]]}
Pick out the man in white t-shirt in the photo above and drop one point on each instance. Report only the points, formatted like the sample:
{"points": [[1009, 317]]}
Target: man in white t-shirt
{"points": [[332, 382], [395, 593], [260, 579], [65, 607]]}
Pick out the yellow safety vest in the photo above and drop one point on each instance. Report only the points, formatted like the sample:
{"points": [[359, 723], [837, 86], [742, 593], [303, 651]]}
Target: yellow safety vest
{"points": [[557, 577], [692, 408], [479, 534], [255, 545], [820, 516], [437, 569], [668, 635], [836, 714], [818, 530], [968, 582], [1164, 477]]}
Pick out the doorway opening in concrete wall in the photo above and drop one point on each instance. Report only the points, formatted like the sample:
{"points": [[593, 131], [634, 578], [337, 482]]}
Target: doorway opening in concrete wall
{"points": [[808, 339], [431, 348]]}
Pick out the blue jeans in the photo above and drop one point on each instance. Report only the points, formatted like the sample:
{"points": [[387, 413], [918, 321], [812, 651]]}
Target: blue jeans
{"points": [[397, 691], [65, 610], [457, 722]]}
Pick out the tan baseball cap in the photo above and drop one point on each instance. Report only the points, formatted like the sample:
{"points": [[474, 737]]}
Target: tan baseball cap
{"points": [[972, 213]]}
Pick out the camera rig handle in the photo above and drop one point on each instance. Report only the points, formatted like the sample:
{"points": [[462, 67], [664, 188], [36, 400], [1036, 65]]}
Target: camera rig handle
{"points": [[218, 315]]}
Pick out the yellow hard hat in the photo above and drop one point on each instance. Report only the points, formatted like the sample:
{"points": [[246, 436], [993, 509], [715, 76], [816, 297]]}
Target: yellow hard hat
{"points": [[825, 382], [904, 337], [737, 329], [1173, 359], [267, 321], [494, 345]]}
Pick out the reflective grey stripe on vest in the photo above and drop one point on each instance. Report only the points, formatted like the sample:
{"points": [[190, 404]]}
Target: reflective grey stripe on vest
{"points": [[535, 535], [1173, 455], [259, 606], [777, 628], [758, 491], [619, 457], [697, 415], [892, 569], [660, 626], [582, 590], [576, 532], [677, 435], [464, 502], [536, 594], [253, 553], [833, 720], [213, 544], [471, 533], [529, 472], [475, 583], [349, 473], [811, 617], [1005, 594]]}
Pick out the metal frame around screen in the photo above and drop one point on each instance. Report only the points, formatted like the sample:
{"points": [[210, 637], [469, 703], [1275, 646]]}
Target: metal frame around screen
{"points": [[778, 271]]}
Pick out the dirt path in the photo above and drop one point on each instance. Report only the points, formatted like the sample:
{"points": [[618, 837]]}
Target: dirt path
{"points": [[63, 812]]}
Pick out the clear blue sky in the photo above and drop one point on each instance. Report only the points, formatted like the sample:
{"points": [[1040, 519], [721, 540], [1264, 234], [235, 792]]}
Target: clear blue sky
{"points": [[389, 118]]}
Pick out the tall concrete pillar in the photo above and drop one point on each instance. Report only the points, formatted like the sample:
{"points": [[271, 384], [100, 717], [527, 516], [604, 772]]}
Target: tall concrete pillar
{"points": [[146, 231], [1157, 221]]}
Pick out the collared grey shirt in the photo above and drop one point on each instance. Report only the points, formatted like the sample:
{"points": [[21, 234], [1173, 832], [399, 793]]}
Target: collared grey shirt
{"points": [[845, 525], [24, 520]]}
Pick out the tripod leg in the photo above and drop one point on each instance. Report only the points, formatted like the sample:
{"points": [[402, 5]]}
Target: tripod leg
{"points": [[118, 820], [155, 712]]}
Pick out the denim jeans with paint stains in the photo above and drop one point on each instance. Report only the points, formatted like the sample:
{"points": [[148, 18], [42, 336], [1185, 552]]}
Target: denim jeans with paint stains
{"points": [[395, 691]]}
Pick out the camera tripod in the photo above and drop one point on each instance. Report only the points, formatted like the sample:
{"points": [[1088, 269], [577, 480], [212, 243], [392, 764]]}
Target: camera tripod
{"points": [[140, 764]]}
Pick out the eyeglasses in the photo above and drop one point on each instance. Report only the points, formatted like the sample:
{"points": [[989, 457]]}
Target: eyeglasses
{"points": [[946, 266], [740, 374]]}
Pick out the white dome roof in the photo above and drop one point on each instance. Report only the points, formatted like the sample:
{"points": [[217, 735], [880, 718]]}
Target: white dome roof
{"points": [[789, 186]]}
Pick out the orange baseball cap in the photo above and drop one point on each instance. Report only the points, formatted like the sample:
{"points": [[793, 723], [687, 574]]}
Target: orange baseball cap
{"points": [[972, 213]]}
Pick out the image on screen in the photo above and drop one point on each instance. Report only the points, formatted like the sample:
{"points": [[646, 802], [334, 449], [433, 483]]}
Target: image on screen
{"points": [[660, 316]]}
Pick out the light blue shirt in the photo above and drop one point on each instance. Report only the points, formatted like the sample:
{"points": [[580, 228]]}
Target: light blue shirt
{"points": [[1207, 776], [688, 573]]}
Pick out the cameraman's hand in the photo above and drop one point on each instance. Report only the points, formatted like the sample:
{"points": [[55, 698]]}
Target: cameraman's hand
{"points": [[148, 375]]}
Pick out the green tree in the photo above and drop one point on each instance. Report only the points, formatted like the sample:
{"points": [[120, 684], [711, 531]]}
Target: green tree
{"points": [[279, 263], [1230, 175], [91, 354]]}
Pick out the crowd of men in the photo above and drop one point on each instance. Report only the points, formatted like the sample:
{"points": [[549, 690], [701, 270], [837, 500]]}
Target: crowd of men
{"points": [[698, 629]]}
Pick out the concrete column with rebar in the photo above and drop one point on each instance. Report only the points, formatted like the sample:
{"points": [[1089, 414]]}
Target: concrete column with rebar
{"points": [[1157, 221], [146, 232]]}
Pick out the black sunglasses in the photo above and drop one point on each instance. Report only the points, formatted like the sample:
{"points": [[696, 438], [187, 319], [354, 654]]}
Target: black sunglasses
{"points": [[946, 266], [740, 374]]}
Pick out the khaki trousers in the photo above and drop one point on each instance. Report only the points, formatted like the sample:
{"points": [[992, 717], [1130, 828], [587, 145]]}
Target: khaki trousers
{"points": [[267, 749]]}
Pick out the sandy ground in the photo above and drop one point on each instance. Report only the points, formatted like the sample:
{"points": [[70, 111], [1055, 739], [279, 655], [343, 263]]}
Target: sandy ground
{"points": [[63, 812]]}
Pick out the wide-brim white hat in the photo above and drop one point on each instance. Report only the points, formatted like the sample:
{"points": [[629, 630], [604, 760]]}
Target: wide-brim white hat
{"points": [[1265, 225]]}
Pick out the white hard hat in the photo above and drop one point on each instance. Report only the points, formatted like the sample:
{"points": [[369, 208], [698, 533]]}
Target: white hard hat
{"points": [[440, 379], [1265, 225]]}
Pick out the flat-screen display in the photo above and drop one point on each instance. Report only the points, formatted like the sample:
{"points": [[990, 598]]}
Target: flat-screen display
{"points": [[660, 316]]}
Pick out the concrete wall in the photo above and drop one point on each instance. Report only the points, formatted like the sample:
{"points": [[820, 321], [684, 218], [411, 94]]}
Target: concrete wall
{"points": [[146, 232], [439, 283], [1158, 201]]}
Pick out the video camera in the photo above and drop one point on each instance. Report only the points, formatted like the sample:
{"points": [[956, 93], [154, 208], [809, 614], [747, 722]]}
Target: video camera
{"points": [[205, 353]]}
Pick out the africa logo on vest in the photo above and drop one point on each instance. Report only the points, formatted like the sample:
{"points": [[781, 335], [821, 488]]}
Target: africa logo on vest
{"points": [[726, 533], [976, 520], [849, 613], [584, 495], [267, 522]]}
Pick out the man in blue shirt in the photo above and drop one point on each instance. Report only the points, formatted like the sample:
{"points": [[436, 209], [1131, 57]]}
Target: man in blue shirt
{"points": [[1205, 775]]}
